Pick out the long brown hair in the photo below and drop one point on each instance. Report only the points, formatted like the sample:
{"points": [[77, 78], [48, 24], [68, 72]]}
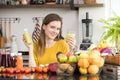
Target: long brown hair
{"points": [[41, 42]]}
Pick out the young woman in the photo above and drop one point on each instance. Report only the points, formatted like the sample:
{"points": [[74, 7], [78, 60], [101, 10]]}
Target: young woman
{"points": [[49, 44]]}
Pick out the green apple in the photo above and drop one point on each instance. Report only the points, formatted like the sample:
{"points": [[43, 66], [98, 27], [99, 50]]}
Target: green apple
{"points": [[63, 58], [72, 58]]}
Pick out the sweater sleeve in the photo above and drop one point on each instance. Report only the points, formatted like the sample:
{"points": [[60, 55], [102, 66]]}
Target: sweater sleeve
{"points": [[65, 46], [36, 53]]}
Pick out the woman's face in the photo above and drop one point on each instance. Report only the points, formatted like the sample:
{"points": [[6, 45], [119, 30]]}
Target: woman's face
{"points": [[52, 29]]}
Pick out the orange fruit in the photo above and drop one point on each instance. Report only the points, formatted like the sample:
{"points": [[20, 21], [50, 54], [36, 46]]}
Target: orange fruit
{"points": [[93, 69], [102, 61], [83, 55], [84, 63], [95, 52], [94, 57]]}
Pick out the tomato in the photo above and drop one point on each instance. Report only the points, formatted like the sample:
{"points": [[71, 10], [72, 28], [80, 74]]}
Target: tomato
{"points": [[4, 70], [11, 70], [17, 70], [27, 70], [39, 69], [22, 70], [7, 69], [45, 69], [32, 69]]}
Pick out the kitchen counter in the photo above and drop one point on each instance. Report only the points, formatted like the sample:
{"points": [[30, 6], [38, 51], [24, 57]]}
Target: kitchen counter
{"points": [[53, 76]]}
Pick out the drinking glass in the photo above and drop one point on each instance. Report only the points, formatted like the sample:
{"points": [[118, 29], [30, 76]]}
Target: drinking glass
{"points": [[70, 38]]}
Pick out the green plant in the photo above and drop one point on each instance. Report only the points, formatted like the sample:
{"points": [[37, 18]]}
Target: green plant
{"points": [[112, 33]]}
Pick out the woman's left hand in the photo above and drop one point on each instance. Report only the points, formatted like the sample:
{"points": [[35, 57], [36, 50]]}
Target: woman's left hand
{"points": [[71, 42]]}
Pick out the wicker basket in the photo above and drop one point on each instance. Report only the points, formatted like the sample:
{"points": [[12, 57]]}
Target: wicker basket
{"points": [[89, 1]]}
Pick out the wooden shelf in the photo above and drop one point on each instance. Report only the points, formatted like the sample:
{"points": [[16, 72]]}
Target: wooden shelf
{"points": [[52, 6], [37, 6], [89, 5]]}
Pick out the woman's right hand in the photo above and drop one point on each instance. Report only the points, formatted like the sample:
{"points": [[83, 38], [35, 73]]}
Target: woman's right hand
{"points": [[25, 42]]}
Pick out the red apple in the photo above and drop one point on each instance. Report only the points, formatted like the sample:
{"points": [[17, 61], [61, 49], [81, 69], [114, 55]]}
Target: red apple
{"points": [[68, 54]]}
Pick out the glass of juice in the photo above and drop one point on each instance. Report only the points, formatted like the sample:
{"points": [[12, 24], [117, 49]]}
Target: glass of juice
{"points": [[70, 38]]}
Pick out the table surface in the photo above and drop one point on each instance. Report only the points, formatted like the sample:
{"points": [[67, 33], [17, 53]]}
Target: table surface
{"points": [[53, 76]]}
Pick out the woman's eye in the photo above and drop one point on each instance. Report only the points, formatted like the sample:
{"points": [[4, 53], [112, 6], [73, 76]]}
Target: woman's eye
{"points": [[52, 26], [58, 28]]}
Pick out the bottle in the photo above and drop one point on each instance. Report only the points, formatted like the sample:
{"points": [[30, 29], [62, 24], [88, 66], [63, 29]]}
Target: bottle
{"points": [[13, 59], [19, 61], [14, 47], [27, 36]]}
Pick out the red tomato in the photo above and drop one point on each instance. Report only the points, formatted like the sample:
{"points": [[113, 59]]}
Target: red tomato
{"points": [[11, 70], [27, 70], [22, 70], [32, 69], [17, 70], [39, 69], [4, 70], [45, 69]]}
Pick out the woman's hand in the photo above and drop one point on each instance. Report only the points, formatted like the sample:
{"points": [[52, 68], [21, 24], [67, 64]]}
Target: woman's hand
{"points": [[71, 42], [25, 42]]}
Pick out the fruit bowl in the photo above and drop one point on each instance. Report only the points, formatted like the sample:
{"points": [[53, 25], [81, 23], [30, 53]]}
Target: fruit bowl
{"points": [[90, 64], [90, 69], [64, 69]]}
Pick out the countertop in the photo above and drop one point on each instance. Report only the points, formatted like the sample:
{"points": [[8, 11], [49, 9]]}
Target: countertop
{"points": [[53, 76]]}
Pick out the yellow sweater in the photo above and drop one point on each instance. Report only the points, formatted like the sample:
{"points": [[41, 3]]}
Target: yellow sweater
{"points": [[50, 53]]}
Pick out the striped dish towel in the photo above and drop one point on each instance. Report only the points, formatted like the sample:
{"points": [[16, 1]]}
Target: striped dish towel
{"points": [[36, 33]]}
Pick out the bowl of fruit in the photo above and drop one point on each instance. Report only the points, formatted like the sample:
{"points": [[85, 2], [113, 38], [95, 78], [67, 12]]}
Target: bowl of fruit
{"points": [[91, 63], [66, 64], [62, 68]]}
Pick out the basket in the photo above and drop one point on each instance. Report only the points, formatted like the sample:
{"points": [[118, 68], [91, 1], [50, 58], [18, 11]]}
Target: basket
{"points": [[85, 71], [68, 71], [89, 1], [115, 60]]}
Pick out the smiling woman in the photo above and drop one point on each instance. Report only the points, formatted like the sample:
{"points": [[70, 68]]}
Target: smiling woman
{"points": [[44, 51]]}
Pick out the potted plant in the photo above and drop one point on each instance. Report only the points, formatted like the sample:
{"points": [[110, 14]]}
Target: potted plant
{"points": [[112, 31]]}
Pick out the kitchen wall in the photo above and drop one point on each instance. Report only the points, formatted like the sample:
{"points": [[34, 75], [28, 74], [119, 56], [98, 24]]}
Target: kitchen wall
{"points": [[71, 19]]}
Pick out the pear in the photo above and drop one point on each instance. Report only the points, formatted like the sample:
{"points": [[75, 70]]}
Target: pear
{"points": [[64, 66], [70, 69], [59, 71]]}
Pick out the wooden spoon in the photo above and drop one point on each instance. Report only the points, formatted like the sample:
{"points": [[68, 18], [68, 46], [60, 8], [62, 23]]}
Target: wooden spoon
{"points": [[9, 35], [2, 43]]}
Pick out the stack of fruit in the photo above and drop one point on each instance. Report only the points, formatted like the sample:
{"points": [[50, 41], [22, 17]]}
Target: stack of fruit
{"points": [[90, 63]]}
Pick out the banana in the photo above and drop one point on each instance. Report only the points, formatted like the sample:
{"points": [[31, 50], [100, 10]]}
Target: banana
{"points": [[103, 44]]}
